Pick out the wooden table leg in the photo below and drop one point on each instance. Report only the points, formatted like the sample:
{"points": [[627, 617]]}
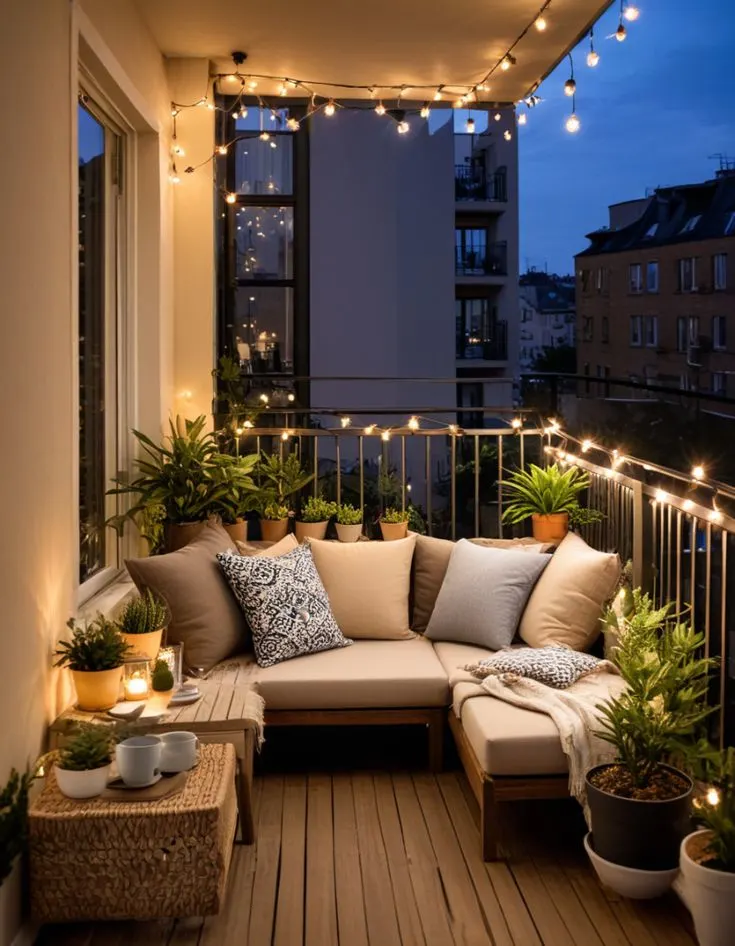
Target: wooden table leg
{"points": [[245, 789]]}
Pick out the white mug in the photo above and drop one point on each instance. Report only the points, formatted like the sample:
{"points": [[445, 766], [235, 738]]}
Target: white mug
{"points": [[139, 760], [179, 751]]}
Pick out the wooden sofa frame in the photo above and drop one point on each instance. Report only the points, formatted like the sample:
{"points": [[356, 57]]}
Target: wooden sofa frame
{"points": [[491, 790]]}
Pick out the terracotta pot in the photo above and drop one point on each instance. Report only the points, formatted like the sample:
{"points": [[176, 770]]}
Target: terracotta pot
{"points": [[393, 530], [273, 530], [311, 530], [551, 528], [143, 646], [237, 531], [85, 784], [709, 894], [159, 699], [351, 533], [97, 689], [178, 534]]}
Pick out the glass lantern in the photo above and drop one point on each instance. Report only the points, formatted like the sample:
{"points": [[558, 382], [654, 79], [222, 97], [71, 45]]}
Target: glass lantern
{"points": [[136, 680]]}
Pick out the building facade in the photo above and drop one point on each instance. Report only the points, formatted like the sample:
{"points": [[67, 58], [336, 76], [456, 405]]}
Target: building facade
{"points": [[656, 290], [547, 315]]}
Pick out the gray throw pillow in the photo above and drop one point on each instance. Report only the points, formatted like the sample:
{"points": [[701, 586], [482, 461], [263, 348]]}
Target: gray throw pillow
{"points": [[285, 604], [556, 666], [483, 595]]}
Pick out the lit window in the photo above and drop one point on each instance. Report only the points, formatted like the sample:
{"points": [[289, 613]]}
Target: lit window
{"points": [[691, 223], [651, 231], [730, 223], [652, 276]]}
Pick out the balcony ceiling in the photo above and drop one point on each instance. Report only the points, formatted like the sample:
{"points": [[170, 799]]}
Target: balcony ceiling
{"points": [[390, 42]]}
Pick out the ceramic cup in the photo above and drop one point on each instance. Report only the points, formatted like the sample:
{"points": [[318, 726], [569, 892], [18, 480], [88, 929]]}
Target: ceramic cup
{"points": [[139, 760], [179, 751]]}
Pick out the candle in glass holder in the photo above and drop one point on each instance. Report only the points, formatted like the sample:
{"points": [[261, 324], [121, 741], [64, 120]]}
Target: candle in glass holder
{"points": [[136, 687]]}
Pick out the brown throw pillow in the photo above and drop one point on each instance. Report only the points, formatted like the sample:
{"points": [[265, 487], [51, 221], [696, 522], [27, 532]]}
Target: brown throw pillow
{"points": [[430, 563], [205, 617]]}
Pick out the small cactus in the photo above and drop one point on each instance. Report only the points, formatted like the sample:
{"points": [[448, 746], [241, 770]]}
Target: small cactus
{"points": [[162, 680], [144, 614]]}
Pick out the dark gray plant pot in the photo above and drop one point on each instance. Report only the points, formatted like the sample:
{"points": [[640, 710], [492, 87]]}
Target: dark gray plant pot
{"points": [[645, 835]]}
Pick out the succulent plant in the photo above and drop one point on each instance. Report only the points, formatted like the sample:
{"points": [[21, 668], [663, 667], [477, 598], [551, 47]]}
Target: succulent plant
{"points": [[348, 515], [143, 614], [316, 509], [391, 514], [162, 680], [90, 747]]}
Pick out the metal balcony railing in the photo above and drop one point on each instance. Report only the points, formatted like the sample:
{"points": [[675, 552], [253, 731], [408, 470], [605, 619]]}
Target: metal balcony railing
{"points": [[474, 183], [491, 345], [490, 259]]}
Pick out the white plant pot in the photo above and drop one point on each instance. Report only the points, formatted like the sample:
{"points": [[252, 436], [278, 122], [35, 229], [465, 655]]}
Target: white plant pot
{"points": [[629, 881], [710, 897], [85, 784], [347, 533]]}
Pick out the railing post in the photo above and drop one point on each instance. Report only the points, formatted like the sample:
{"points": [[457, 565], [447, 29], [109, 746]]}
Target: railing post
{"points": [[642, 539]]}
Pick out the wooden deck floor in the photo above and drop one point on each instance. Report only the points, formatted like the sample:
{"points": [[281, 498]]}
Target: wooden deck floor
{"points": [[392, 859]]}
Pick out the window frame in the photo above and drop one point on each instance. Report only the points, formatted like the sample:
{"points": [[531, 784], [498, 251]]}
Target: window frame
{"points": [[719, 272], [635, 278], [692, 260], [719, 333], [650, 321], [636, 331], [652, 266], [588, 328]]}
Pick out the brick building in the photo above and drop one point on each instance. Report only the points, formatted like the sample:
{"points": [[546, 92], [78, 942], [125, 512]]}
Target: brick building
{"points": [[656, 290]]}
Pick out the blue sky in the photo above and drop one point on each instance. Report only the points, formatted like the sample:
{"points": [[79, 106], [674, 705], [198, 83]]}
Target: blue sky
{"points": [[652, 111]]}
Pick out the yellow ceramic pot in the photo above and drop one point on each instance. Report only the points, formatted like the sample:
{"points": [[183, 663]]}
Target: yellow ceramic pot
{"points": [[159, 699], [97, 689], [143, 646]]}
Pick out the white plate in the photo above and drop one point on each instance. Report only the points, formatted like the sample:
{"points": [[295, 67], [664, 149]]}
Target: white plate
{"points": [[184, 697], [125, 709]]}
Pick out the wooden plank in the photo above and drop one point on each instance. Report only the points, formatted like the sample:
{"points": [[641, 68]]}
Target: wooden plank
{"points": [[466, 918], [290, 907], [382, 922], [563, 895], [466, 831], [205, 705], [422, 866], [597, 907], [661, 921], [321, 909], [409, 922], [631, 923], [550, 925], [348, 875], [265, 884], [223, 702]]}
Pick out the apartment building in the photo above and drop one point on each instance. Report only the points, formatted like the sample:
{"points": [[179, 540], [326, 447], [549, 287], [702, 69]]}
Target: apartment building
{"points": [[656, 289], [547, 315]]}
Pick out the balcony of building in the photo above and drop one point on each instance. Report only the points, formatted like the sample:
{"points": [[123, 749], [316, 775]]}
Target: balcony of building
{"points": [[481, 190]]}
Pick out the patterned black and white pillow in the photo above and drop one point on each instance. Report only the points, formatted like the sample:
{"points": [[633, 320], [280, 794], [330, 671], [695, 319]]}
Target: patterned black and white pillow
{"points": [[285, 604], [554, 665]]}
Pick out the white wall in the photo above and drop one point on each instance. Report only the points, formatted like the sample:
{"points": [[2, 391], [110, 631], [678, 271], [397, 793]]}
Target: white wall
{"points": [[38, 411]]}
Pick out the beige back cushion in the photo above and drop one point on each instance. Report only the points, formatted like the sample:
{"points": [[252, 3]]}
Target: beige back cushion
{"points": [[368, 584], [566, 605], [430, 566]]}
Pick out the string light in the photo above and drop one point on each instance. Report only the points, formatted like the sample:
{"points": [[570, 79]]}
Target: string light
{"points": [[698, 472], [540, 23], [522, 118], [174, 178], [330, 108], [285, 435], [264, 398], [497, 116], [713, 797], [661, 496], [403, 128], [516, 423], [178, 151], [453, 429], [385, 436], [264, 136], [592, 56], [380, 109], [413, 423], [248, 425], [293, 124], [252, 84], [369, 429], [222, 149], [715, 515], [231, 198], [438, 94], [631, 13], [570, 86], [470, 126], [345, 422], [554, 426], [425, 111], [573, 124], [239, 431], [507, 135], [621, 32], [507, 61], [587, 445], [291, 398]]}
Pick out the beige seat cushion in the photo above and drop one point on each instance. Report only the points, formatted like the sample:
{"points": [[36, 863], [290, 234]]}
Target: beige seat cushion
{"points": [[430, 563], [368, 584], [370, 673], [455, 657], [566, 604]]}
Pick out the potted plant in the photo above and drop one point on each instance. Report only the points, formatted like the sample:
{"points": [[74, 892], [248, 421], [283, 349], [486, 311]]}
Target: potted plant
{"points": [[13, 819], [95, 655], [181, 484], [281, 479], [142, 623], [235, 475], [348, 523], [640, 803], [82, 767], [314, 518], [550, 498], [708, 855], [162, 686], [274, 520], [394, 523]]}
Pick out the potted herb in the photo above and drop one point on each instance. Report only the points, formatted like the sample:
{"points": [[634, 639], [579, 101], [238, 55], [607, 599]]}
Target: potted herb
{"points": [[274, 520], [95, 655], [314, 518], [235, 475], [13, 819], [640, 804], [348, 523], [82, 767], [162, 686], [394, 523], [708, 855], [142, 623], [181, 482], [550, 498]]}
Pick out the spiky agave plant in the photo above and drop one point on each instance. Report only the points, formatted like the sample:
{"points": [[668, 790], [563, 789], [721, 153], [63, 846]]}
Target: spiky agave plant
{"points": [[546, 491], [143, 614]]}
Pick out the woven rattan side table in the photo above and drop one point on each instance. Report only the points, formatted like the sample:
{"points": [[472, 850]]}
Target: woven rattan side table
{"points": [[103, 860]]}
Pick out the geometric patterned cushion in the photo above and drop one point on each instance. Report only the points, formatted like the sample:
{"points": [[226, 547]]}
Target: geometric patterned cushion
{"points": [[555, 665], [285, 604]]}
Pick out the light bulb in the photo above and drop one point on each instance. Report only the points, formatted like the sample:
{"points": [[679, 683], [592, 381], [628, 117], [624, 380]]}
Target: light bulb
{"points": [[687, 505], [698, 472], [425, 111], [497, 116], [592, 58], [413, 423], [252, 84], [470, 126], [369, 429], [273, 144], [380, 109], [570, 87], [586, 445], [235, 115], [482, 87], [522, 118], [210, 106], [264, 136], [329, 109], [222, 149], [437, 96], [283, 89], [231, 198], [174, 178], [248, 425], [385, 435], [291, 397], [285, 435], [293, 124], [715, 515], [516, 423], [238, 431], [540, 24], [264, 398], [345, 421], [660, 496], [713, 797], [507, 135], [572, 124], [403, 128], [179, 151], [452, 428], [507, 62], [232, 77], [631, 13], [621, 33], [292, 83], [174, 112], [243, 112]]}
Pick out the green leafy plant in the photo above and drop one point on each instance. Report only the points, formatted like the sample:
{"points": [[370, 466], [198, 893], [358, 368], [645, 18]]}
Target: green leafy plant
{"points": [[162, 680], [275, 512], [13, 819], [237, 492], [391, 514], [416, 520], [547, 491], [282, 478], [716, 809], [661, 712], [97, 645], [316, 509], [90, 747], [143, 614], [348, 515]]}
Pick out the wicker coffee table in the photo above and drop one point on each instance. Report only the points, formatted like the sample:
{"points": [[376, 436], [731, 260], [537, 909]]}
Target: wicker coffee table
{"points": [[103, 860]]}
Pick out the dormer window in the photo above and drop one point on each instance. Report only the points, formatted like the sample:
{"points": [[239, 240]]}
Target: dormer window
{"points": [[651, 231], [691, 223], [730, 223]]}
